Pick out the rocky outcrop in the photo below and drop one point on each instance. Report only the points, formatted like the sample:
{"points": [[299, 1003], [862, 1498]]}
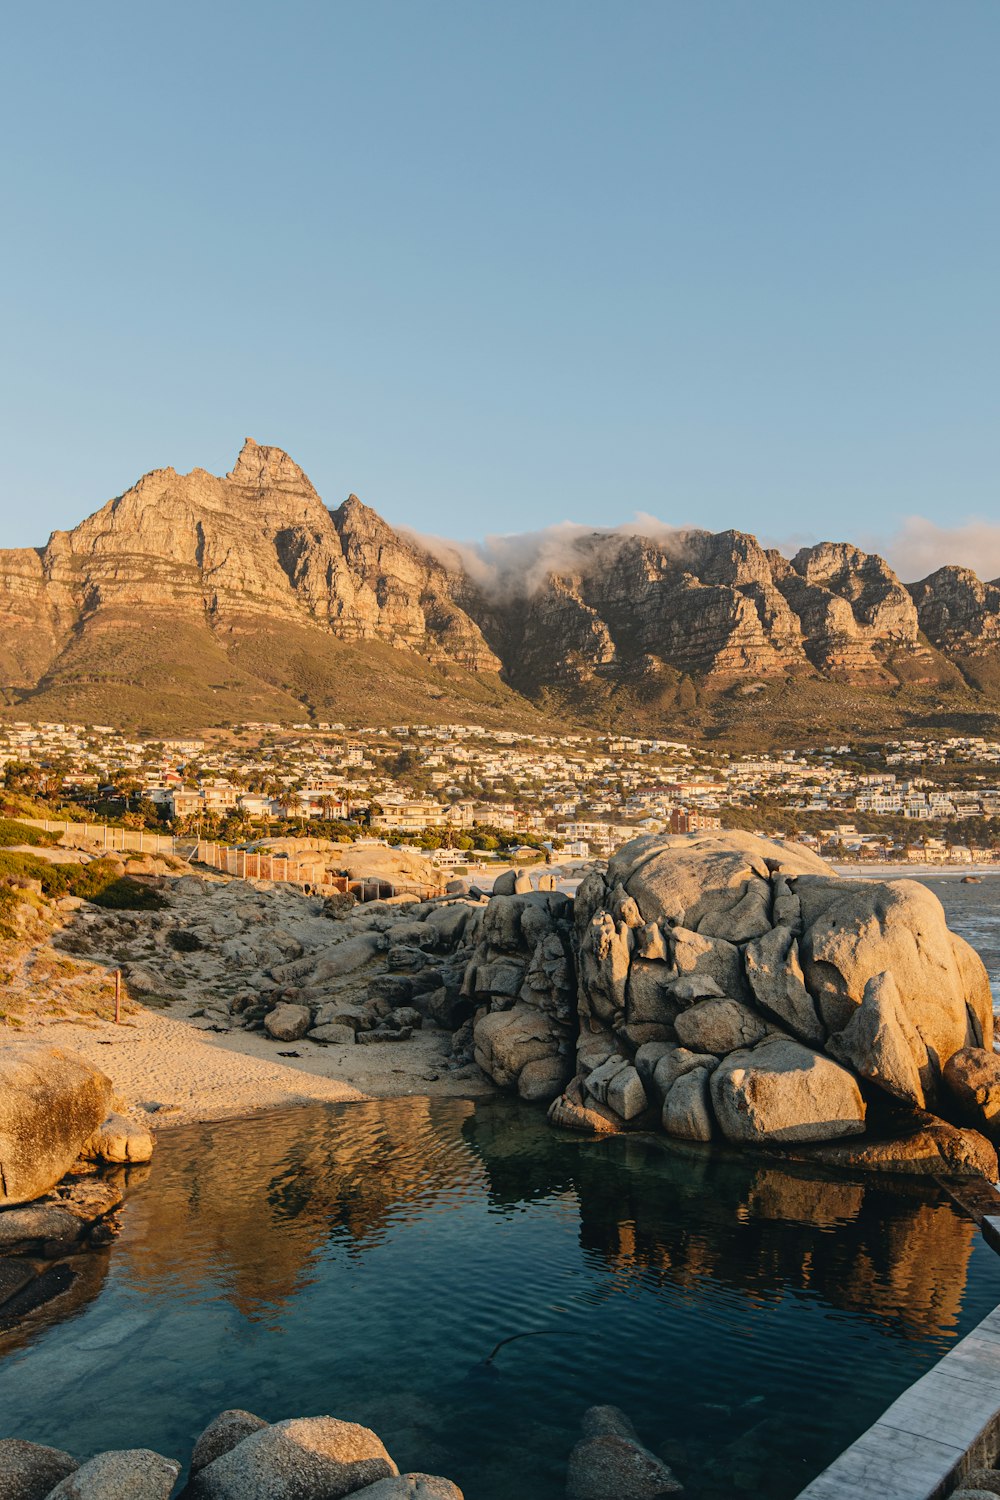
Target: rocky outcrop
{"points": [[521, 981], [958, 613], [51, 1102], [852, 608], [736, 986]]}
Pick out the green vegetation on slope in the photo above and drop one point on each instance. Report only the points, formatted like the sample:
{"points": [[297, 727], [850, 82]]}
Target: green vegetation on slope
{"points": [[101, 881]]}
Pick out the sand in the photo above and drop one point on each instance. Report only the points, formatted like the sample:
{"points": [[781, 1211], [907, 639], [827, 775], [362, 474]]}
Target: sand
{"points": [[156, 1058]]}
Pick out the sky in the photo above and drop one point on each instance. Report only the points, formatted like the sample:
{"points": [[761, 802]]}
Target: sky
{"points": [[493, 267]]}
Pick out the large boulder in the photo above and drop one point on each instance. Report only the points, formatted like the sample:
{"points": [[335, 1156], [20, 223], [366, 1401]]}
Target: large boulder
{"points": [[287, 1023], [121, 1474], [972, 1080], [51, 1102], [897, 926], [689, 879], [305, 1458], [30, 1471], [782, 1090]]}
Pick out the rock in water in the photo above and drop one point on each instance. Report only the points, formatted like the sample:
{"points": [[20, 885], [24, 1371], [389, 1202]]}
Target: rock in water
{"points": [[29, 1471], [611, 1467], [122, 1474], [305, 1458], [51, 1102], [221, 1436], [411, 1487]]}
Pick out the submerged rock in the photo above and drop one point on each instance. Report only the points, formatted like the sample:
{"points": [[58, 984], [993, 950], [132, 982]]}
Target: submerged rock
{"points": [[411, 1487], [610, 1463]]}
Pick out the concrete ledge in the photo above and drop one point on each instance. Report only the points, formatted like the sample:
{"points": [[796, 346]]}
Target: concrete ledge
{"points": [[947, 1423], [990, 1228]]}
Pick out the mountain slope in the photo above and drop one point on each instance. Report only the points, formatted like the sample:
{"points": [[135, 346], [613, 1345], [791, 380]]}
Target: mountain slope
{"points": [[195, 600]]}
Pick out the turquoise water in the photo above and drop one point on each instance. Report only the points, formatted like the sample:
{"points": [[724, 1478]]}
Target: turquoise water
{"points": [[364, 1259]]}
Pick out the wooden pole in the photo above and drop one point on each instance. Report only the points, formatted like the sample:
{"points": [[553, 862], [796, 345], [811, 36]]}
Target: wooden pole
{"points": [[118, 997]]}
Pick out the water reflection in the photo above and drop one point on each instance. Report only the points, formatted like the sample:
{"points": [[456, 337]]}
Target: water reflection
{"points": [[691, 1215], [365, 1259], [252, 1204]]}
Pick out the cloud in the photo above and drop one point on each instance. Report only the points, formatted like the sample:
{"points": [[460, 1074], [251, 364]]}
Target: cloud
{"points": [[920, 546], [516, 563], [513, 565]]}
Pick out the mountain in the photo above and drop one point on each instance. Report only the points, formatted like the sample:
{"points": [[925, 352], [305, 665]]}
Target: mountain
{"points": [[193, 600]]}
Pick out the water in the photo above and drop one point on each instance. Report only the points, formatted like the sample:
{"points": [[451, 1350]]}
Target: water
{"points": [[363, 1260]]}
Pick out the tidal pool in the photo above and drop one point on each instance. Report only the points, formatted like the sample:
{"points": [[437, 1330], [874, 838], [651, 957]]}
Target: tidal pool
{"points": [[364, 1259]]}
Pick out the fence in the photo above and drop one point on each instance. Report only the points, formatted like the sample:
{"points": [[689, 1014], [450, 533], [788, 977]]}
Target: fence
{"points": [[244, 864], [122, 840], [261, 864]]}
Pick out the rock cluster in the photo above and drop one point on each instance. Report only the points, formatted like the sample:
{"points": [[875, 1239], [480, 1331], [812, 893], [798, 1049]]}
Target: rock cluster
{"points": [[521, 979], [237, 1457], [731, 986], [243, 955]]}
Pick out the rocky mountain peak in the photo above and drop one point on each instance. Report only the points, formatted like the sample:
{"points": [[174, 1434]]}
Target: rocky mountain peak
{"points": [[261, 468], [257, 551]]}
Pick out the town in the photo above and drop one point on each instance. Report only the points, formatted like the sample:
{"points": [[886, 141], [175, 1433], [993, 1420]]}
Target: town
{"points": [[456, 788]]}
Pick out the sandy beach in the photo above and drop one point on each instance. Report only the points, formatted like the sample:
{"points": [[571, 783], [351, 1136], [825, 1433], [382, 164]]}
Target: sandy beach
{"points": [[155, 1058]]}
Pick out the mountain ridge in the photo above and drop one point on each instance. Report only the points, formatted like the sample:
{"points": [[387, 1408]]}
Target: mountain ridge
{"points": [[197, 595]]}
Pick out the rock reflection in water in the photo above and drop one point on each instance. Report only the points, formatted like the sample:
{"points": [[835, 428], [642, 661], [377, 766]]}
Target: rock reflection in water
{"points": [[690, 1215], [252, 1203]]}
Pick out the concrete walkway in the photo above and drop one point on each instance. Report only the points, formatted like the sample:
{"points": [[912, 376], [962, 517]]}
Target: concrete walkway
{"points": [[939, 1429]]}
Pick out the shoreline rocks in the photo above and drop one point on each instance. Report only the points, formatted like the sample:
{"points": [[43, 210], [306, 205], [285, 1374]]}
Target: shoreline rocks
{"points": [[51, 1103], [793, 1002], [64, 1159], [238, 1456]]}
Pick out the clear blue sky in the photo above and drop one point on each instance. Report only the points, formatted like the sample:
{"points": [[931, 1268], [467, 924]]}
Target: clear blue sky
{"points": [[731, 262]]}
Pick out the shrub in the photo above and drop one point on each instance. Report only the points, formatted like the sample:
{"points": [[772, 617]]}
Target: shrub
{"points": [[12, 832]]}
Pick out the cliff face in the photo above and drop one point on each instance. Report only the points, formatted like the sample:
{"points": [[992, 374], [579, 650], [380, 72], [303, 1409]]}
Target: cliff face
{"points": [[253, 574], [718, 607], [958, 612]]}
